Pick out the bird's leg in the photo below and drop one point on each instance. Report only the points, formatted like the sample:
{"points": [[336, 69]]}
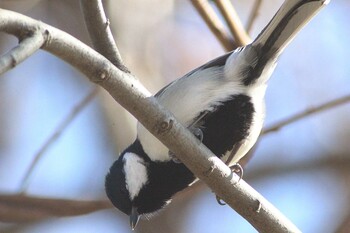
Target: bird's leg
{"points": [[173, 157], [197, 132], [236, 168]]}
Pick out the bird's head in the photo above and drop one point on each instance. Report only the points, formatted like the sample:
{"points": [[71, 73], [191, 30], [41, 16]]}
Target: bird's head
{"points": [[138, 186]]}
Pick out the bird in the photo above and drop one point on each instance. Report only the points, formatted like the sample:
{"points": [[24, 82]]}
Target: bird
{"points": [[221, 103]]}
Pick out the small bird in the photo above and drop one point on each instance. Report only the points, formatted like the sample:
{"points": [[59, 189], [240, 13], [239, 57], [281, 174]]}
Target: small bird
{"points": [[221, 102]]}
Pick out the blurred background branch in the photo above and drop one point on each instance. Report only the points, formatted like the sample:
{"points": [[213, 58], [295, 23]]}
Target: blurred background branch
{"points": [[23, 208], [215, 25], [234, 22]]}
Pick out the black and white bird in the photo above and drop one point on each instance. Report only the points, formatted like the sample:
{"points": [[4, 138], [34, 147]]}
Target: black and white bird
{"points": [[222, 102]]}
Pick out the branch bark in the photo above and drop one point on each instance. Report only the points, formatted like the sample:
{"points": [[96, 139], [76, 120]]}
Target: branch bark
{"points": [[125, 89], [100, 32]]}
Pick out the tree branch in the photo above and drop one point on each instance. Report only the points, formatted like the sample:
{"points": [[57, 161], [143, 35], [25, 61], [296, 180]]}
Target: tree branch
{"points": [[22, 51], [57, 133], [306, 113], [20, 208], [213, 22], [335, 162], [253, 15], [125, 89], [344, 226], [100, 32], [233, 21]]}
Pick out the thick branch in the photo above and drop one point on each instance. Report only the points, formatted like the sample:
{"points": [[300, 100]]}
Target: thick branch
{"points": [[20, 208], [213, 22], [234, 22], [22, 51], [136, 99], [100, 32]]}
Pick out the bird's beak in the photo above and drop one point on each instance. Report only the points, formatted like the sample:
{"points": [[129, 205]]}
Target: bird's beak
{"points": [[134, 218]]}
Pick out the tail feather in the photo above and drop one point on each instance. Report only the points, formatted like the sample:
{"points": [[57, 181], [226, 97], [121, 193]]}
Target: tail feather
{"points": [[292, 16]]}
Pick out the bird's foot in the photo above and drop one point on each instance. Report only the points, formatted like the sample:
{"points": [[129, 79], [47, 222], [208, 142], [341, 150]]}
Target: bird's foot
{"points": [[238, 169], [219, 200], [198, 133], [173, 157]]}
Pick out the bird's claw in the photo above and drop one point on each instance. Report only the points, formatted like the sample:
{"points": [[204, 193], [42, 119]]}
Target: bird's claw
{"points": [[219, 200], [198, 133], [238, 169], [173, 157]]}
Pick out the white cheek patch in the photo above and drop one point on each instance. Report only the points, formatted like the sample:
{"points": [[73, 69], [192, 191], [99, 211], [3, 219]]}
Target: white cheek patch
{"points": [[135, 174]]}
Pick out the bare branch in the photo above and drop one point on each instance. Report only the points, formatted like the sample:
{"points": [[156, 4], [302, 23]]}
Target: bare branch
{"points": [[22, 51], [233, 21], [306, 113], [344, 227], [218, 29], [253, 15], [125, 89], [56, 134], [335, 162], [100, 32], [20, 208]]}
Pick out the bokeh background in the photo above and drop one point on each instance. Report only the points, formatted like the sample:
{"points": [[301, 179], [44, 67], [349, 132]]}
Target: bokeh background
{"points": [[303, 169]]}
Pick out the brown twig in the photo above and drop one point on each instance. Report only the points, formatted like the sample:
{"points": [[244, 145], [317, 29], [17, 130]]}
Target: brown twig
{"points": [[21, 208], [56, 134], [215, 25], [233, 21], [100, 32], [306, 113], [253, 15]]}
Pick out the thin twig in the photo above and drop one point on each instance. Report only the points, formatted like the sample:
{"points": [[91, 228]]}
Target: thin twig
{"points": [[335, 162], [215, 25], [129, 92], [22, 51], [344, 226], [233, 21], [308, 112], [253, 15], [21, 208], [56, 134], [100, 33]]}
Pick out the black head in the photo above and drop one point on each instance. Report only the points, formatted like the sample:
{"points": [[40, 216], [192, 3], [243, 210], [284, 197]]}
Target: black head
{"points": [[137, 185]]}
